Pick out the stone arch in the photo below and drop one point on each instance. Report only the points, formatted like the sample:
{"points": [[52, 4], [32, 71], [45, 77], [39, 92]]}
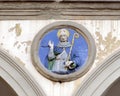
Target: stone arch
{"points": [[101, 78], [17, 77]]}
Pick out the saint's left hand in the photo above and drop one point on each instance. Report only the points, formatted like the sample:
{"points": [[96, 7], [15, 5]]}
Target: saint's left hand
{"points": [[70, 65]]}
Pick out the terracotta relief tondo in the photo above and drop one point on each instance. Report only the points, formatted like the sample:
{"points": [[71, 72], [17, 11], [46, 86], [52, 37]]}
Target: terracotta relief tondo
{"points": [[61, 50]]}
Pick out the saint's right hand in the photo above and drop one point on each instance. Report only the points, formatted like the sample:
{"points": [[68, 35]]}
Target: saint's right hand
{"points": [[51, 44]]}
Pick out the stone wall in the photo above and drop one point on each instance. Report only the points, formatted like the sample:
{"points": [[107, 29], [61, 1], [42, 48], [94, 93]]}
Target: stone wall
{"points": [[17, 36], [21, 20]]}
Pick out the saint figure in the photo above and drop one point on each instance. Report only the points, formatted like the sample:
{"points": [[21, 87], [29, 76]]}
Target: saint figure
{"points": [[63, 58]]}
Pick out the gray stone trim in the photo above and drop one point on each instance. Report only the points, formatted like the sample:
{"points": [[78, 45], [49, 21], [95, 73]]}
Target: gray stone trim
{"points": [[72, 76], [61, 0], [91, 0], [101, 78], [59, 10], [17, 77]]}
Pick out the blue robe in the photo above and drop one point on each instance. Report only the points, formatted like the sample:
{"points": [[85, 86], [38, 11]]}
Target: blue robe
{"points": [[74, 56]]}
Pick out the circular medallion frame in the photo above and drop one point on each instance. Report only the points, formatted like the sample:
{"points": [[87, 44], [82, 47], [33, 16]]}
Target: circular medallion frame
{"points": [[63, 77]]}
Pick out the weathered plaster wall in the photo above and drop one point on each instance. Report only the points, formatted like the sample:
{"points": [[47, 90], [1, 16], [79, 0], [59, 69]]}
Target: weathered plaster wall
{"points": [[17, 35]]}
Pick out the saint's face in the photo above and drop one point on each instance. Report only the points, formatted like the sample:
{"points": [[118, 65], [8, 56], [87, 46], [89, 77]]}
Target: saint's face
{"points": [[63, 38]]}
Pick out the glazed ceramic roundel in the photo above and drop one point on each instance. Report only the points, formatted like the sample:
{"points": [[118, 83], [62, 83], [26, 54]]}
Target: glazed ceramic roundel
{"points": [[63, 51]]}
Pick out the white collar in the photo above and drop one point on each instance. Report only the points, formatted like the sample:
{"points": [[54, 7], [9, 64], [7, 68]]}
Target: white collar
{"points": [[64, 44]]}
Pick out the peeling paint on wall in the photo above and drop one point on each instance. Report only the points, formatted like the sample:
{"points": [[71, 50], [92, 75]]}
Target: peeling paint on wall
{"points": [[24, 43], [17, 29], [106, 45], [16, 38]]}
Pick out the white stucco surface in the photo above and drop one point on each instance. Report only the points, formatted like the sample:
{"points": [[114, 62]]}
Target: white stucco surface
{"points": [[18, 46]]}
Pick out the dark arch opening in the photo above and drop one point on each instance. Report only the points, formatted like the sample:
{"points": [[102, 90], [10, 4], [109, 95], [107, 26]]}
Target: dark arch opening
{"points": [[5, 89], [114, 89]]}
